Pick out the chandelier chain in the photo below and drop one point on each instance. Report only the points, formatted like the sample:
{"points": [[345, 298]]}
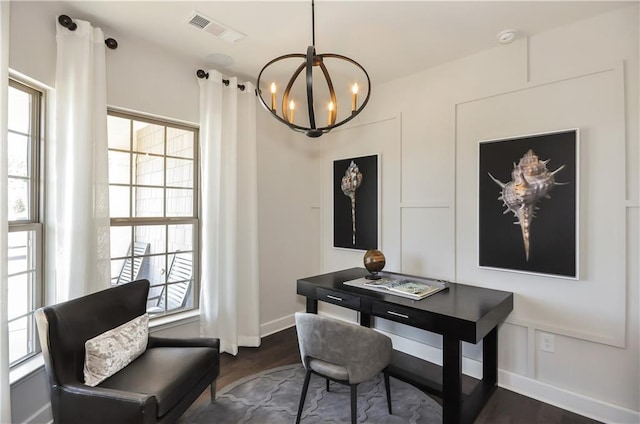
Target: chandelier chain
{"points": [[313, 23]]}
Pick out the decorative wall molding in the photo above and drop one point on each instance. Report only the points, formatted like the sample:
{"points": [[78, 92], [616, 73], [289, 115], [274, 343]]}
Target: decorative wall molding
{"points": [[426, 205], [613, 338], [616, 67], [567, 332]]}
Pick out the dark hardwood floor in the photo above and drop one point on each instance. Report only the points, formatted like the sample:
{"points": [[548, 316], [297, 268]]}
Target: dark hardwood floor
{"points": [[504, 407]]}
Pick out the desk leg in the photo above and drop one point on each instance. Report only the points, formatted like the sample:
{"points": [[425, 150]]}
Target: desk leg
{"points": [[478, 398], [451, 379], [312, 305], [365, 319], [490, 358]]}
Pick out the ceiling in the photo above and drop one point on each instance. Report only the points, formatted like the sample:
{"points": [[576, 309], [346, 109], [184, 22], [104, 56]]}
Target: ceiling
{"points": [[390, 39]]}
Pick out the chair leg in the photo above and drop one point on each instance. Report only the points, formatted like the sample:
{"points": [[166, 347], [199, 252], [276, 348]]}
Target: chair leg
{"points": [[327, 384], [354, 403], [388, 389], [213, 391], [303, 395]]}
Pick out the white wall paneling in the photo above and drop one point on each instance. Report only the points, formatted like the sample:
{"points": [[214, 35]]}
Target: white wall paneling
{"points": [[380, 137], [585, 76], [427, 241], [594, 103]]}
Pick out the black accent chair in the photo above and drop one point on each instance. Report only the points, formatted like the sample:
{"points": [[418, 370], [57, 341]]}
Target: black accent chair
{"points": [[157, 387]]}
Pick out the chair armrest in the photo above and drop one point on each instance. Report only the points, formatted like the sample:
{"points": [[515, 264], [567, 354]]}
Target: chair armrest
{"points": [[191, 342], [80, 403]]}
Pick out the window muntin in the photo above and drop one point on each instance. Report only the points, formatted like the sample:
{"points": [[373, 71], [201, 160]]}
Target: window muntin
{"points": [[25, 247], [153, 206]]}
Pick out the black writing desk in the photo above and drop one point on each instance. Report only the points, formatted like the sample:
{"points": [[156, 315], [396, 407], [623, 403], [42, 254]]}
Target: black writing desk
{"points": [[459, 313]]}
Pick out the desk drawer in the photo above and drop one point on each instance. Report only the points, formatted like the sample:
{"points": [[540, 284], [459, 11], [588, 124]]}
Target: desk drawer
{"points": [[399, 314], [338, 298]]}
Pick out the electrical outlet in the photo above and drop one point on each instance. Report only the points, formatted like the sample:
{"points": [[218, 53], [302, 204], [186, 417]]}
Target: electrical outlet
{"points": [[546, 342]]}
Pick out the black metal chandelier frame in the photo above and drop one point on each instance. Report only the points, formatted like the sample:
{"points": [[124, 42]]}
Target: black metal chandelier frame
{"points": [[312, 59]]}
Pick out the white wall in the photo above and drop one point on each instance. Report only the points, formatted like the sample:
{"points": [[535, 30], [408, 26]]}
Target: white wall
{"points": [[138, 82], [144, 78], [423, 127], [288, 221], [427, 126]]}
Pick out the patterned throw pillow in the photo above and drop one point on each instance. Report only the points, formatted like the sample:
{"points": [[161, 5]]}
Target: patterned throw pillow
{"points": [[113, 350]]}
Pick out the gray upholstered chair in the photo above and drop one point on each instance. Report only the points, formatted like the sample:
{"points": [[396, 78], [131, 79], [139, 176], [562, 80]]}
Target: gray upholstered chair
{"points": [[342, 352]]}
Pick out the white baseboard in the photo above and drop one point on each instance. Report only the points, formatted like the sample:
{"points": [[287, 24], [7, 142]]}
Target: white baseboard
{"points": [[277, 325], [42, 415], [565, 399]]}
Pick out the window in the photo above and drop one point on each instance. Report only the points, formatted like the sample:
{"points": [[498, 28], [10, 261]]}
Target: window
{"points": [[25, 247], [154, 208]]}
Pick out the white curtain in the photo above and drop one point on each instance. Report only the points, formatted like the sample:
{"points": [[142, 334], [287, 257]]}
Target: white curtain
{"points": [[77, 184], [5, 398], [229, 297]]}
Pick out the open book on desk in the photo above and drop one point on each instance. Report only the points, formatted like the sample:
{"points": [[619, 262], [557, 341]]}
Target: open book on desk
{"points": [[412, 288]]}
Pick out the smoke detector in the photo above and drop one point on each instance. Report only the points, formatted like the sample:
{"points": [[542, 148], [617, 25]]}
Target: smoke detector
{"points": [[218, 29], [507, 36]]}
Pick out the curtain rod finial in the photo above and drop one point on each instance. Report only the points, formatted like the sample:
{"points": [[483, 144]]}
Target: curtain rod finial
{"points": [[67, 22], [111, 43]]}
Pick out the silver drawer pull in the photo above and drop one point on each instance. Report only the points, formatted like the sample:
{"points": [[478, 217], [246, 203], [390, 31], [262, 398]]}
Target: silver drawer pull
{"points": [[339, 299], [398, 314]]}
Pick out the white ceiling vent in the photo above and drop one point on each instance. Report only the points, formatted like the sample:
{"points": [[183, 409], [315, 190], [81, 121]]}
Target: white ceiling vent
{"points": [[216, 28], [199, 21]]}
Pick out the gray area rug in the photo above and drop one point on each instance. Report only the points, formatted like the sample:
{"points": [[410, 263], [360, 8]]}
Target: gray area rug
{"points": [[272, 396]]}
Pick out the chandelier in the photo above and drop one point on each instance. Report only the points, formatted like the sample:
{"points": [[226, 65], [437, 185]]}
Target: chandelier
{"points": [[323, 104]]}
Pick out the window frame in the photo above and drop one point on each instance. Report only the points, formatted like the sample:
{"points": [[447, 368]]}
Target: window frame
{"points": [[133, 222], [34, 222]]}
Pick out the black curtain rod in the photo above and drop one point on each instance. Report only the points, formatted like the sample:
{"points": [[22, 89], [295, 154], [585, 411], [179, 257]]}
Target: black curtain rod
{"points": [[202, 74], [68, 23]]}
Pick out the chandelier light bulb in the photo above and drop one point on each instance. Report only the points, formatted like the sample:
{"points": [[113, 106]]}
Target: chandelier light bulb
{"points": [[306, 66], [354, 98], [330, 116], [292, 108], [273, 96]]}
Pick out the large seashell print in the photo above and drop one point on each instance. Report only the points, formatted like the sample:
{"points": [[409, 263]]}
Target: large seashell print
{"points": [[531, 182], [351, 181]]}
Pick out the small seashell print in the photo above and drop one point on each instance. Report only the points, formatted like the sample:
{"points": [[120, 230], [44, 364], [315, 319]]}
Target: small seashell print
{"points": [[351, 181]]}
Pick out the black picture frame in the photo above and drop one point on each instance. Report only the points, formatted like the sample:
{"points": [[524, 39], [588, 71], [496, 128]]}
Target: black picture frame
{"points": [[553, 232], [366, 205]]}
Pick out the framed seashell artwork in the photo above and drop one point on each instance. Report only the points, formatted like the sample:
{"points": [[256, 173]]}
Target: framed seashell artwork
{"points": [[528, 204], [356, 202]]}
